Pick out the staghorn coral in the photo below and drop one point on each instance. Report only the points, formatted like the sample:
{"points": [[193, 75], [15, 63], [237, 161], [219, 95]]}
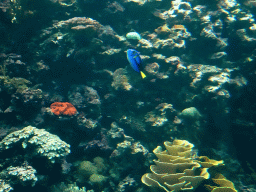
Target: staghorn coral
{"points": [[45, 144], [175, 168], [63, 108]]}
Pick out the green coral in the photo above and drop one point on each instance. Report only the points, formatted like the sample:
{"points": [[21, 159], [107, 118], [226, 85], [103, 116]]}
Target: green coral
{"points": [[133, 35], [190, 113], [92, 172], [87, 168], [14, 84], [100, 164], [44, 143], [97, 179]]}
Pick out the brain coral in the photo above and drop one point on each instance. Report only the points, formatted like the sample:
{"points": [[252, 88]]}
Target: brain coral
{"points": [[63, 108]]}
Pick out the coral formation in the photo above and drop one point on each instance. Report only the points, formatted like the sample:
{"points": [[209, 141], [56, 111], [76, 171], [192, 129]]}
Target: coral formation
{"points": [[5, 186], [175, 169], [178, 168], [92, 172], [221, 184], [25, 174], [44, 143], [162, 113], [190, 113], [62, 187], [63, 108], [121, 80], [133, 35], [97, 179]]}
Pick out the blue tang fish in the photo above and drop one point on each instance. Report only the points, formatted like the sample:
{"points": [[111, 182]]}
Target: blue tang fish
{"points": [[135, 61]]}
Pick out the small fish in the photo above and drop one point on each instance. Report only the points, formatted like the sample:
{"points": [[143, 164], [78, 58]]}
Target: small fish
{"points": [[135, 61]]}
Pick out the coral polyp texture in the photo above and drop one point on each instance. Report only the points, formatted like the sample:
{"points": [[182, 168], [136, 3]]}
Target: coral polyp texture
{"points": [[178, 169], [63, 108], [43, 143]]}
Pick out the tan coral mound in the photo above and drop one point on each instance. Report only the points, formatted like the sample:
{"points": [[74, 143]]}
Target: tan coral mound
{"points": [[175, 168]]}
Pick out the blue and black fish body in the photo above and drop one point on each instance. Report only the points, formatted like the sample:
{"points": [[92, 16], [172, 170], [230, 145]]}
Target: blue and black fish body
{"points": [[135, 61]]}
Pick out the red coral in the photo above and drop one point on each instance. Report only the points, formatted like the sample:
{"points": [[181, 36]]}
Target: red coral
{"points": [[63, 108]]}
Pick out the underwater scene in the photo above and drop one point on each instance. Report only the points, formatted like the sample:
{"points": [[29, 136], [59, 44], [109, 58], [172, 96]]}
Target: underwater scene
{"points": [[127, 95]]}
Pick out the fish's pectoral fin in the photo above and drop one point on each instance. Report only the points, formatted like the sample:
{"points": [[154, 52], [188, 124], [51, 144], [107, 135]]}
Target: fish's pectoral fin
{"points": [[142, 74]]}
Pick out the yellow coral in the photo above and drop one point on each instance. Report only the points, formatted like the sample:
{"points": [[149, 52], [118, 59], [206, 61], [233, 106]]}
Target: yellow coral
{"points": [[178, 169], [175, 169]]}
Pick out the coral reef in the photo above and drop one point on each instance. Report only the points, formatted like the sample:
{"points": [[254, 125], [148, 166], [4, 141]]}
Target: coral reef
{"points": [[198, 57]]}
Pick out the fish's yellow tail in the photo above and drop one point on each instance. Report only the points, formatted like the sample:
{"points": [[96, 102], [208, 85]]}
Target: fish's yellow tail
{"points": [[142, 74]]}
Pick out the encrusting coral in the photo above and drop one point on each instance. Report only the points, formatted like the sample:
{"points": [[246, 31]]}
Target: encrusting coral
{"points": [[63, 108], [177, 168]]}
